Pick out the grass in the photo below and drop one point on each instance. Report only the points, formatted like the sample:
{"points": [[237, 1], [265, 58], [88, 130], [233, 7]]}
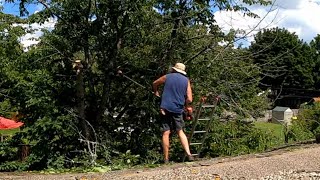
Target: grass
{"points": [[9, 131], [276, 130]]}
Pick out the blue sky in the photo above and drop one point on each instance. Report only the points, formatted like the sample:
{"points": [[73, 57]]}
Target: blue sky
{"points": [[13, 8], [30, 38]]}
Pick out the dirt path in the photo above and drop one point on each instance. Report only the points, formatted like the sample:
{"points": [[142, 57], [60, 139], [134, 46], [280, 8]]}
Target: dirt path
{"points": [[301, 162]]}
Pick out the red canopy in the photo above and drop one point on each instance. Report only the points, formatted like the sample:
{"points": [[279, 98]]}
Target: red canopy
{"points": [[9, 124]]}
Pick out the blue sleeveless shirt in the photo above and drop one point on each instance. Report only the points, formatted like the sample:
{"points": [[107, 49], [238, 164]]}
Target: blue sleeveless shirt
{"points": [[174, 93]]}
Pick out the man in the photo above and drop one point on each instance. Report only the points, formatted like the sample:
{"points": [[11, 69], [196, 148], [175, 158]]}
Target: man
{"points": [[176, 93]]}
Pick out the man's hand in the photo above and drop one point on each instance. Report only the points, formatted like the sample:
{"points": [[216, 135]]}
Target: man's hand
{"points": [[157, 93], [188, 113], [162, 112]]}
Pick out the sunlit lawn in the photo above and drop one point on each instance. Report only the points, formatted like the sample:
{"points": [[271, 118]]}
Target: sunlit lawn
{"points": [[9, 131], [276, 130]]}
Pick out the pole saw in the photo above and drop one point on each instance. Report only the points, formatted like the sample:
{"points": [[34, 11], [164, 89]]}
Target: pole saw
{"points": [[120, 73], [188, 110]]}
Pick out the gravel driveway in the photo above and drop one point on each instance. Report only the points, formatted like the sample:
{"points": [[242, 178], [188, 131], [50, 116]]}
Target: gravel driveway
{"points": [[290, 163]]}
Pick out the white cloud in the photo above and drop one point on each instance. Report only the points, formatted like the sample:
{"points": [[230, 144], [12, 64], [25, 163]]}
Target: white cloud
{"points": [[32, 38], [299, 16]]}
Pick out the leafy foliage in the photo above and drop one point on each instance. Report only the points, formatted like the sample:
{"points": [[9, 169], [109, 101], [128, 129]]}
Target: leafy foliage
{"points": [[67, 105], [13, 166], [315, 46], [299, 130], [235, 138], [285, 60], [310, 117]]}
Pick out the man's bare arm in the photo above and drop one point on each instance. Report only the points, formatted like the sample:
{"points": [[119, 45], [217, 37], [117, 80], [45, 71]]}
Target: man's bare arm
{"points": [[156, 84], [189, 93]]}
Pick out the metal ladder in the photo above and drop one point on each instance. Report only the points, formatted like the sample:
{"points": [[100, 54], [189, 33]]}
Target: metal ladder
{"points": [[204, 121]]}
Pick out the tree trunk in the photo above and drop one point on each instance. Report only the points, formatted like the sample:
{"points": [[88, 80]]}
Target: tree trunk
{"points": [[81, 101]]}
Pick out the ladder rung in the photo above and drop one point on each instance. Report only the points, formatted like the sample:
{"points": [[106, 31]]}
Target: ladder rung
{"points": [[194, 154], [208, 106], [195, 132], [204, 119], [195, 143]]}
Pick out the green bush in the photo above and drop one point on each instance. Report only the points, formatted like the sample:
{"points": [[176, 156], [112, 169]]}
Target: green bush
{"points": [[49, 135], [7, 151], [310, 118], [276, 132], [127, 159], [298, 131], [235, 138], [13, 166]]}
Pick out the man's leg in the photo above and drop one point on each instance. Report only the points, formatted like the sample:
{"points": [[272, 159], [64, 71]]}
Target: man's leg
{"points": [[165, 144], [184, 141], [179, 122]]}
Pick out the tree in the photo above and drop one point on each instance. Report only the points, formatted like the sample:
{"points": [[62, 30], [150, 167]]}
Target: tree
{"points": [[315, 45], [285, 60], [10, 52], [143, 42]]}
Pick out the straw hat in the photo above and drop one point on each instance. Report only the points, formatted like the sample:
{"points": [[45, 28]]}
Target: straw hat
{"points": [[179, 67]]}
